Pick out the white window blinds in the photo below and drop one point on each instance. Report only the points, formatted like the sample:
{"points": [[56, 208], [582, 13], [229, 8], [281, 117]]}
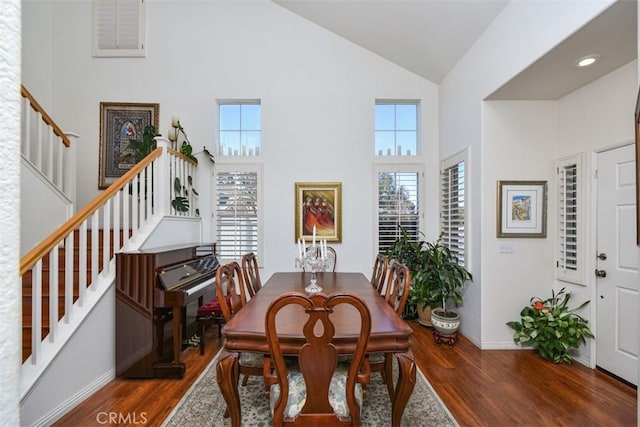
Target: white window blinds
{"points": [[118, 28], [399, 205], [569, 251], [452, 210], [237, 212]]}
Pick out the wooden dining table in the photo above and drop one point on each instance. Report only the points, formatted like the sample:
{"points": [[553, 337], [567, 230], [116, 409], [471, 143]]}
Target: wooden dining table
{"points": [[246, 332]]}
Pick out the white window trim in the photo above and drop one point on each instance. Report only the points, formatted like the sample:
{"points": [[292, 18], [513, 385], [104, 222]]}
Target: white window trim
{"points": [[394, 156], [118, 52], [256, 167], [454, 159], [396, 167], [573, 276]]}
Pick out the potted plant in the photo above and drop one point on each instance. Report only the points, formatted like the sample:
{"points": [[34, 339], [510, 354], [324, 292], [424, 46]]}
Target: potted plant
{"points": [[551, 327], [448, 278], [409, 253]]}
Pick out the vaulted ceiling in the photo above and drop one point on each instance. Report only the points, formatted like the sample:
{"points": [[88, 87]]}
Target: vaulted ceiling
{"points": [[428, 37]]}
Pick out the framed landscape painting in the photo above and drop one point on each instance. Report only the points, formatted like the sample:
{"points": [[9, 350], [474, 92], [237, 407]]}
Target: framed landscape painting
{"points": [[522, 209], [318, 204], [121, 123]]}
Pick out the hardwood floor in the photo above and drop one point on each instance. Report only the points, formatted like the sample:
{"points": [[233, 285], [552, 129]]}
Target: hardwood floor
{"points": [[480, 388]]}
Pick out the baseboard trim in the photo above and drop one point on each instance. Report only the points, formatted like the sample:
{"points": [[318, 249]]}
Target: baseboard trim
{"points": [[76, 399]]}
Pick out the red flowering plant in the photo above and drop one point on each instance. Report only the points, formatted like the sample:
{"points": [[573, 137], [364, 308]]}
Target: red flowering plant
{"points": [[551, 327]]}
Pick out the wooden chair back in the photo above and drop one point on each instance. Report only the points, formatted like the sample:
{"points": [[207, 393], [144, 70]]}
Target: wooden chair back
{"points": [[318, 356], [251, 274], [380, 266], [229, 282], [398, 284]]}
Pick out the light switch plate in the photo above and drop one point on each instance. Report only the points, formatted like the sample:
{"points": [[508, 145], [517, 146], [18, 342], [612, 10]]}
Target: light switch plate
{"points": [[505, 247]]}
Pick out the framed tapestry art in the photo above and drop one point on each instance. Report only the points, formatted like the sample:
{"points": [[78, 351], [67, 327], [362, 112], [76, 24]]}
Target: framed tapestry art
{"points": [[121, 123], [522, 209], [318, 204]]}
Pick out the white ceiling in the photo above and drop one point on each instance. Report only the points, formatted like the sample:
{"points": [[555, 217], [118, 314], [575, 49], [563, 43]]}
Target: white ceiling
{"points": [[428, 37]]}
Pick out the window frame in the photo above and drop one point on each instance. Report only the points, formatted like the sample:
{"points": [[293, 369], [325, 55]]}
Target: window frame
{"points": [[397, 168], [576, 276], [240, 155], [447, 164], [116, 52], [394, 153], [244, 167]]}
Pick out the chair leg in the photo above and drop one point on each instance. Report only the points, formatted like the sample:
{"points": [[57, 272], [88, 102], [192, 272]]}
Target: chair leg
{"points": [[245, 379]]}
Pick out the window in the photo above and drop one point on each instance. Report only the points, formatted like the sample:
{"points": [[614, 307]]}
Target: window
{"points": [[240, 128], [452, 206], [396, 128], [118, 28], [569, 246], [399, 203], [238, 207]]}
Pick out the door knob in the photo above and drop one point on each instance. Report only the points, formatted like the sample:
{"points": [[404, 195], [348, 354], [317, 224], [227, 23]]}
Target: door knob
{"points": [[601, 273], [602, 256]]}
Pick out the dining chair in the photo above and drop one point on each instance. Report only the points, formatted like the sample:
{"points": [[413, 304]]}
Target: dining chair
{"points": [[251, 274], [231, 296], [315, 389], [396, 295], [380, 266], [331, 255]]}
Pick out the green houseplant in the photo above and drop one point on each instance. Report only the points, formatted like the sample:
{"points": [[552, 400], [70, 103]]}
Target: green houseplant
{"points": [[449, 279], [552, 327]]}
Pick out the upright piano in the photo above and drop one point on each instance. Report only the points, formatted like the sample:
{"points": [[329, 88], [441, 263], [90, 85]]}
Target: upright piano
{"points": [[154, 287]]}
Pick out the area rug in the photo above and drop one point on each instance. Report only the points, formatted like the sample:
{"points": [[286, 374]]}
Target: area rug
{"points": [[203, 404]]}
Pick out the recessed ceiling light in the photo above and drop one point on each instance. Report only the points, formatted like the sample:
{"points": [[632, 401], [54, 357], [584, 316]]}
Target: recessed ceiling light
{"points": [[585, 61]]}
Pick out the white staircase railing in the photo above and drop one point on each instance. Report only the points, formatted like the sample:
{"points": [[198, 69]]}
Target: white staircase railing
{"points": [[46, 147], [131, 206]]}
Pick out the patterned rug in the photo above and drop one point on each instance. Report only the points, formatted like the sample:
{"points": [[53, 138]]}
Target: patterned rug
{"points": [[203, 404]]}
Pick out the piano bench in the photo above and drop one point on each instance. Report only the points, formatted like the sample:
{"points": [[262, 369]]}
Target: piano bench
{"points": [[209, 313]]}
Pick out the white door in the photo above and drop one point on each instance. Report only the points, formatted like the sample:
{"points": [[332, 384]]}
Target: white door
{"points": [[617, 265]]}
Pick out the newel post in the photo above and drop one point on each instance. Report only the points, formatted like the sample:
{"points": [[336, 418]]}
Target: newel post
{"points": [[162, 193]]}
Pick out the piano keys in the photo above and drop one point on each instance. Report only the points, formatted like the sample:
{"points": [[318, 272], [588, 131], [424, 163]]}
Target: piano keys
{"points": [[154, 287]]}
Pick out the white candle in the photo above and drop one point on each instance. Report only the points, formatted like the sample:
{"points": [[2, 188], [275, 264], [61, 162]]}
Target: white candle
{"points": [[299, 249], [175, 121], [304, 247], [171, 134], [313, 244]]}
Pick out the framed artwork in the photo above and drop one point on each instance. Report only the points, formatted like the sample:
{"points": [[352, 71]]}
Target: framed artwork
{"points": [[522, 209], [637, 127], [319, 204], [120, 123]]}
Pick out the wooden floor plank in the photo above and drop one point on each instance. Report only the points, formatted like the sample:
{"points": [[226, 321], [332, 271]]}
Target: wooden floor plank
{"points": [[480, 388]]}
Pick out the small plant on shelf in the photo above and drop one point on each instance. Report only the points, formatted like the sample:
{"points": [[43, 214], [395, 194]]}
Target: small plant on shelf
{"points": [[551, 327]]}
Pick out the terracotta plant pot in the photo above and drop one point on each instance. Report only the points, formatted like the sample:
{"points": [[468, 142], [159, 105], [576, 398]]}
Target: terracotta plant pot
{"points": [[445, 322], [424, 315]]}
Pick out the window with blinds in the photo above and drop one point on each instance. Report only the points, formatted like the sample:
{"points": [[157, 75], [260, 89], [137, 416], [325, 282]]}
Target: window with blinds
{"points": [[118, 28], [452, 210], [399, 203], [237, 210], [569, 251]]}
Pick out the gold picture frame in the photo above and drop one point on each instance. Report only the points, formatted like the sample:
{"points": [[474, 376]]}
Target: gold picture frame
{"points": [[121, 122], [522, 209], [319, 204]]}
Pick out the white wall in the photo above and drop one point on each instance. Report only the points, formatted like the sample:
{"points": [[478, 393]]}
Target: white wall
{"points": [[522, 135], [10, 353], [317, 92], [514, 40]]}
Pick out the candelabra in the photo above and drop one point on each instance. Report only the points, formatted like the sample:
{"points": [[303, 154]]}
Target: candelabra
{"points": [[311, 261]]}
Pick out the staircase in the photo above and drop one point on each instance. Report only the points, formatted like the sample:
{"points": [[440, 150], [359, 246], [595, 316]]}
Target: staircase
{"points": [[65, 275]]}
